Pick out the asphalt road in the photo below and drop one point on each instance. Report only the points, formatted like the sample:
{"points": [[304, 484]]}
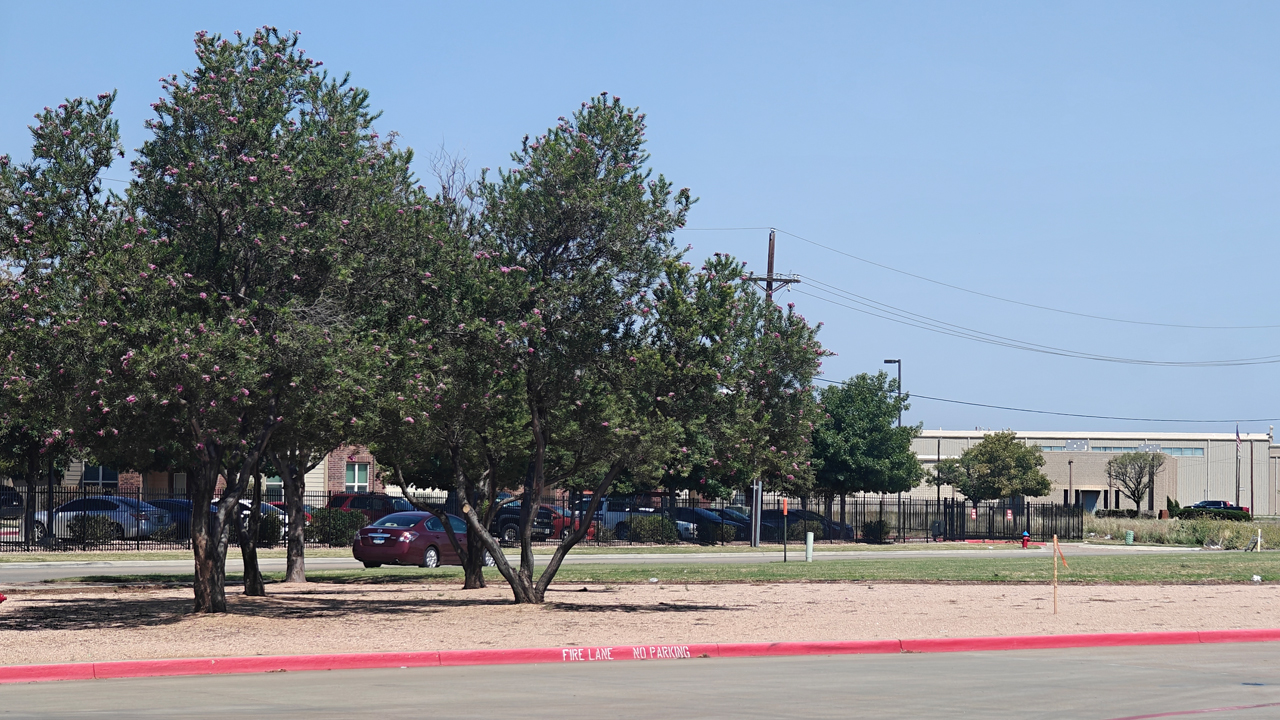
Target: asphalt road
{"points": [[1211, 681], [20, 572]]}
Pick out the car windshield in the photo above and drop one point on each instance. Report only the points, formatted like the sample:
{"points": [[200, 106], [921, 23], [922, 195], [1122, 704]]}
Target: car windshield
{"points": [[400, 504], [735, 515], [398, 521], [129, 502]]}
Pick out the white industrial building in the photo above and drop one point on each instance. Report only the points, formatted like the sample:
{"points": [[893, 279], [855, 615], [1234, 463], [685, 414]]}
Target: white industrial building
{"points": [[1201, 466]]}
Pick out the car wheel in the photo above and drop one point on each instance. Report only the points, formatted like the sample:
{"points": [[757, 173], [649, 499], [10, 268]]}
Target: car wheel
{"points": [[372, 565], [39, 531], [488, 560], [622, 532], [565, 533], [117, 531], [510, 533], [431, 558]]}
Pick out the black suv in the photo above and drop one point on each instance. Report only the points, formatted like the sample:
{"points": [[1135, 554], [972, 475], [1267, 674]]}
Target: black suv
{"points": [[506, 523], [10, 503]]}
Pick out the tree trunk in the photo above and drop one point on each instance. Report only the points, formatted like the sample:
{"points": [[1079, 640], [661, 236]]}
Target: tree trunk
{"points": [[289, 465], [206, 534], [253, 584]]}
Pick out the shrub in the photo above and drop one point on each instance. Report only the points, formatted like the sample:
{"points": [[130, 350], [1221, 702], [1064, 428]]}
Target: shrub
{"points": [[269, 529], [873, 531], [605, 535], [93, 529], [797, 531], [653, 529], [1193, 513], [1130, 513], [171, 533], [334, 526], [710, 533]]}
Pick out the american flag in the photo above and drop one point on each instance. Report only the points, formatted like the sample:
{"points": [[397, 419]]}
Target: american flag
{"points": [[1237, 438]]}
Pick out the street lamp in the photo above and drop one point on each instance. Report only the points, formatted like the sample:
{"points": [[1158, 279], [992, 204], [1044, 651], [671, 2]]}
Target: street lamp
{"points": [[898, 362], [1070, 482]]}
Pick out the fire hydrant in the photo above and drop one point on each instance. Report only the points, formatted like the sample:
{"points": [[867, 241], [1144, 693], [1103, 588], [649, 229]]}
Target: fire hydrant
{"points": [[1026, 538]]}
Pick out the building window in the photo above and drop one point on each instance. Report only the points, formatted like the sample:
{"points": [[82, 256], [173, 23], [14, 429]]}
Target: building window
{"points": [[1115, 449], [1053, 448], [1184, 452], [99, 477], [357, 477]]}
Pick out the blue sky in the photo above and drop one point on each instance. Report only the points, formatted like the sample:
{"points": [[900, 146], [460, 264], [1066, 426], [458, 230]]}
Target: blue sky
{"points": [[1114, 159]]}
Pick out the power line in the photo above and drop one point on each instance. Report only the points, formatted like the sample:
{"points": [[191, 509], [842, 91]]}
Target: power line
{"points": [[884, 311], [999, 298], [1065, 414]]}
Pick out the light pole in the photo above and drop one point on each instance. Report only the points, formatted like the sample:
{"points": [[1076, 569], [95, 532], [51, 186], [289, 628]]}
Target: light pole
{"points": [[1071, 498], [899, 364]]}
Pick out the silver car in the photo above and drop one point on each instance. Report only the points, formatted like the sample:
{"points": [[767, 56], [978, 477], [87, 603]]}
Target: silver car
{"points": [[130, 518]]}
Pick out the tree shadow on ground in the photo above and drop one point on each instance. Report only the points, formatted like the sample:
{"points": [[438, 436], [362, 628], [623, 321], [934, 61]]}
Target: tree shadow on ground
{"points": [[131, 611], [661, 607]]}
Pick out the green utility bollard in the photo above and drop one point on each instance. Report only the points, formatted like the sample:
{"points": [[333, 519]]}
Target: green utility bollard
{"points": [[1128, 537], [808, 547]]}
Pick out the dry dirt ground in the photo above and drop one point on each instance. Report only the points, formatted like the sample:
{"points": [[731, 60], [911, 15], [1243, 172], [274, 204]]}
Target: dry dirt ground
{"points": [[76, 625]]}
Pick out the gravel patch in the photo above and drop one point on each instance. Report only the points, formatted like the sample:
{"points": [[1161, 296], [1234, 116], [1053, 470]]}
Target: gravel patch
{"points": [[96, 624]]}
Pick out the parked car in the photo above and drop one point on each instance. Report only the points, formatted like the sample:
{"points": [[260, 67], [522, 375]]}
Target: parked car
{"points": [[770, 528], [179, 515], [372, 505], [11, 505], [130, 518], [564, 522], [280, 505], [1218, 505], [702, 516], [410, 538], [506, 523], [831, 529]]}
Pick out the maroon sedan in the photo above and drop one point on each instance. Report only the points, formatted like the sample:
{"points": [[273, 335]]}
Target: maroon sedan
{"points": [[410, 538]]}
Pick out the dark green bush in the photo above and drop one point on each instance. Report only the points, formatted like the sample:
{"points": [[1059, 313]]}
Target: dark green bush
{"points": [[710, 533], [874, 531], [171, 533], [269, 529], [1193, 513], [653, 529], [605, 535], [796, 531], [334, 527], [93, 529]]}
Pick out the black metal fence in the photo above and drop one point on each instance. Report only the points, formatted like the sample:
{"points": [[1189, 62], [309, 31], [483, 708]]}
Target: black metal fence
{"points": [[88, 519]]}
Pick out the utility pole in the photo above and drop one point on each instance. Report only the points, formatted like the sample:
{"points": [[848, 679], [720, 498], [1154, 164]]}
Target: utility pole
{"points": [[768, 281]]}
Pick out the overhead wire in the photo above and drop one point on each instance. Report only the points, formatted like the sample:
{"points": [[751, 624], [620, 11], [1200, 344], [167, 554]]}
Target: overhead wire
{"points": [[1067, 414], [990, 296], [894, 314]]}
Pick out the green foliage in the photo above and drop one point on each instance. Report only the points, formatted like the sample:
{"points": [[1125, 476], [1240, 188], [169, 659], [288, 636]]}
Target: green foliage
{"points": [[93, 529], [797, 531], [1001, 466], [334, 527], [946, 472], [1192, 513], [860, 447], [710, 533], [1173, 506], [653, 528], [605, 535], [170, 533], [875, 531], [269, 529]]}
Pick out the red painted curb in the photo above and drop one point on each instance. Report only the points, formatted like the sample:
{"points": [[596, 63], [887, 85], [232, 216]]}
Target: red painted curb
{"points": [[564, 655]]}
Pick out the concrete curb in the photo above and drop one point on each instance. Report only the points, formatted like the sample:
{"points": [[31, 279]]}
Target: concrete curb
{"points": [[562, 655]]}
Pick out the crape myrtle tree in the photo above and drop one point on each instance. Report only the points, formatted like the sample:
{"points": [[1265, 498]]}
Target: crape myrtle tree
{"points": [[1001, 466], [734, 372], [858, 442], [52, 208], [573, 235], [255, 201]]}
